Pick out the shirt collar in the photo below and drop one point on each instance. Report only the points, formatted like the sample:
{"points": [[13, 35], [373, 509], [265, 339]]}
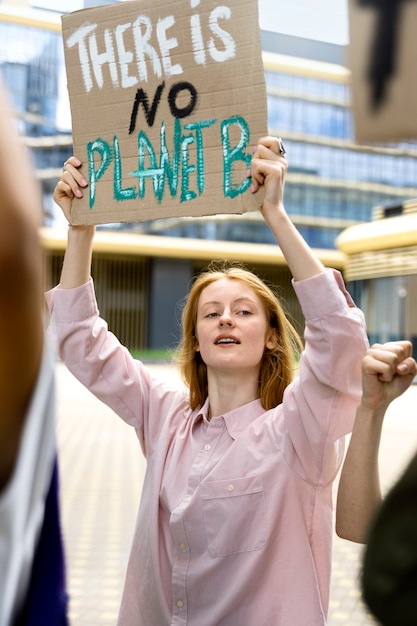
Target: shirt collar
{"points": [[237, 420]]}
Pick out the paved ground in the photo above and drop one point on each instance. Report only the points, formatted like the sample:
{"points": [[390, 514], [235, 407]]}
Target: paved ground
{"points": [[101, 477]]}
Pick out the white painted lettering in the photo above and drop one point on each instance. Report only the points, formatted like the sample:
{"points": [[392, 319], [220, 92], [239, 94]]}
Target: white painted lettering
{"points": [[107, 53], [125, 57], [78, 38], [167, 44], [229, 51], [144, 48], [197, 40], [100, 59]]}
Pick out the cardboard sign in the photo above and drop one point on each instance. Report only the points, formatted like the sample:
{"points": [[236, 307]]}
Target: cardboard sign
{"points": [[167, 101], [394, 119]]}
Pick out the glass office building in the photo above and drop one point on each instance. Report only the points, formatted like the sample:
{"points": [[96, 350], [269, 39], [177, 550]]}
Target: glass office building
{"points": [[332, 182], [32, 68]]}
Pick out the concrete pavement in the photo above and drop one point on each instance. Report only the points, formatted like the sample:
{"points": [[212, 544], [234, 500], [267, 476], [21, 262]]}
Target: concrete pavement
{"points": [[101, 476]]}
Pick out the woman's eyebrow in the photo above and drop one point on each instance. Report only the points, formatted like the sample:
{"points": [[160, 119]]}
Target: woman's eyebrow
{"points": [[209, 303], [245, 299], [236, 301]]}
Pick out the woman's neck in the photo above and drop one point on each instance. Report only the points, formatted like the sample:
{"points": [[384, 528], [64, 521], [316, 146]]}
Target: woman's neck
{"points": [[228, 391]]}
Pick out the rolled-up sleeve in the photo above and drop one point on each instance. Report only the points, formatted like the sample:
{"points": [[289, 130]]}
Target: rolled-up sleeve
{"points": [[320, 405], [94, 355], [102, 364]]}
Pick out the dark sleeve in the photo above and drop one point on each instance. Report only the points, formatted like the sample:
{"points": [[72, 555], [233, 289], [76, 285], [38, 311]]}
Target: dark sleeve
{"points": [[389, 577]]}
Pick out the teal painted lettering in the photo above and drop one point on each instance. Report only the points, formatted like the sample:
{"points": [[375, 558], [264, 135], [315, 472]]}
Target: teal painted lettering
{"points": [[233, 154], [169, 168], [129, 193], [186, 169], [104, 152], [142, 173], [198, 128]]}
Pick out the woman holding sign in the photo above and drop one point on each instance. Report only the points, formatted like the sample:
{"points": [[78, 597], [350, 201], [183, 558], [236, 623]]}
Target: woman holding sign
{"points": [[235, 522]]}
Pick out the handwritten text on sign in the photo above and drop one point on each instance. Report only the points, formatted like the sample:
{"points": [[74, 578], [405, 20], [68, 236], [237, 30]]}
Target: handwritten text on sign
{"points": [[163, 107]]}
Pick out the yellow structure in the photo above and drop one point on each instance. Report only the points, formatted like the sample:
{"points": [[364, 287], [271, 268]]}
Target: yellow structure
{"points": [[140, 280], [381, 270]]}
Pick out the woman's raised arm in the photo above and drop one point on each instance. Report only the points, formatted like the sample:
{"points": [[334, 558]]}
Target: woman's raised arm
{"points": [[268, 168], [77, 260]]}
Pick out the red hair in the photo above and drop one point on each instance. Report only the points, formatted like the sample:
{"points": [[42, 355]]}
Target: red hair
{"points": [[277, 366]]}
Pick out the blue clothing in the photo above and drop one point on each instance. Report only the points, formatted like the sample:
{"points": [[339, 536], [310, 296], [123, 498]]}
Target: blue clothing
{"points": [[47, 600], [32, 572]]}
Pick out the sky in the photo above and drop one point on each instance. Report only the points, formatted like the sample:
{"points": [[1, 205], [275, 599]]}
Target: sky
{"points": [[323, 20]]}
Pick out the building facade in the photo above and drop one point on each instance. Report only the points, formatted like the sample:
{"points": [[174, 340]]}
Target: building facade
{"points": [[332, 181], [33, 70], [332, 184], [381, 271]]}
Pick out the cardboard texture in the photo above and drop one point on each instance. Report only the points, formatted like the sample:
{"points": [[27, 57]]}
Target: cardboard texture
{"points": [[167, 101], [395, 120]]}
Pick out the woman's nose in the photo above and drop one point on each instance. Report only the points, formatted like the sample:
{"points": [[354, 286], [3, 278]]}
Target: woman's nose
{"points": [[226, 319]]}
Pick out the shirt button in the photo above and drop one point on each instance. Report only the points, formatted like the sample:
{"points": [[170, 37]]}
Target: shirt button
{"points": [[187, 500], [183, 546], [207, 447], [230, 487], [180, 604]]}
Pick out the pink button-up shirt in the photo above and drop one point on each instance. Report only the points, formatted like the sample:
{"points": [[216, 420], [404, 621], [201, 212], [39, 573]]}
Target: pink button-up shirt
{"points": [[235, 522]]}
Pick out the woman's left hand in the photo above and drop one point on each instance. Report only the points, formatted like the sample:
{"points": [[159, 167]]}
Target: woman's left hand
{"points": [[268, 168]]}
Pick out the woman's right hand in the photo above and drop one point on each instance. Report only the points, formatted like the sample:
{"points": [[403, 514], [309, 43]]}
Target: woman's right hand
{"points": [[69, 186], [387, 371]]}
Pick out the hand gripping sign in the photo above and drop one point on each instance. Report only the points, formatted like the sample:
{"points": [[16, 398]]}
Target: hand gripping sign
{"points": [[167, 100]]}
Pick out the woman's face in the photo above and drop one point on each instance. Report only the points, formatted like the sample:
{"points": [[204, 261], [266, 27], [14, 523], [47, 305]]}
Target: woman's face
{"points": [[232, 329]]}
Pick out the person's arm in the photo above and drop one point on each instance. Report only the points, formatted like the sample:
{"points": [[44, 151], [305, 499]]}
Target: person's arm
{"points": [[77, 260], [21, 327], [387, 371], [91, 353], [268, 168]]}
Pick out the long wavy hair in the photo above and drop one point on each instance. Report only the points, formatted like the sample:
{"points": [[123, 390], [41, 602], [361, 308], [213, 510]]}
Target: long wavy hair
{"points": [[277, 366]]}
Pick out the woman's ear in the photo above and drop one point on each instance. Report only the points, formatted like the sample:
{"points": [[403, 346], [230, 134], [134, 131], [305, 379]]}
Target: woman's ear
{"points": [[271, 340]]}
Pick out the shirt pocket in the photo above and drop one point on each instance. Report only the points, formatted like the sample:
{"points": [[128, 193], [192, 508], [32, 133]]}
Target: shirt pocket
{"points": [[234, 514]]}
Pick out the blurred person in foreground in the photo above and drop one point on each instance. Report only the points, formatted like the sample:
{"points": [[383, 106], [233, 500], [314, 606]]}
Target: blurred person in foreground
{"points": [[32, 576], [388, 526]]}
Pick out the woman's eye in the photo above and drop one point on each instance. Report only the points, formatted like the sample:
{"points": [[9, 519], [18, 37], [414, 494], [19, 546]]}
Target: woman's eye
{"points": [[244, 312], [212, 314]]}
